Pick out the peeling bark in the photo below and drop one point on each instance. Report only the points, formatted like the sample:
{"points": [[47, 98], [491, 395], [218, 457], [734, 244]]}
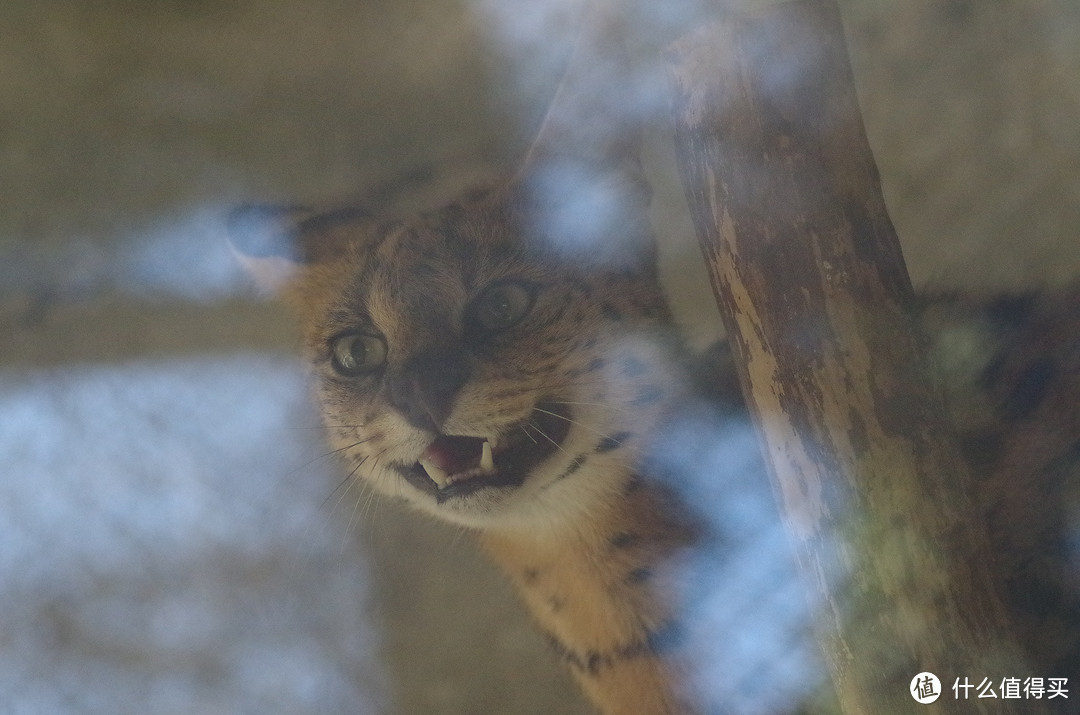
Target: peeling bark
{"points": [[808, 272]]}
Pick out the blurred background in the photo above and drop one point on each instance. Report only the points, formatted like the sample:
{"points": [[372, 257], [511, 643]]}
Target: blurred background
{"points": [[173, 536]]}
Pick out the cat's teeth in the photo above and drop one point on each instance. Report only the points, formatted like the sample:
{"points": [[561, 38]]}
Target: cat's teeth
{"points": [[437, 475], [487, 461]]}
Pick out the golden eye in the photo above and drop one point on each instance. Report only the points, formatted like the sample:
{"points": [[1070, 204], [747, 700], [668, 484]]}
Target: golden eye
{"points": [[357, 353], [500, 306]]}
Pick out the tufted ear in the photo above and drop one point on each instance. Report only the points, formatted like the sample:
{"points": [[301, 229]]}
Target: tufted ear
{"points": [[275, 242]]}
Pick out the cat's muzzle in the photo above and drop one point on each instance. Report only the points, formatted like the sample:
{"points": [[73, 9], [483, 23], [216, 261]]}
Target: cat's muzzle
{"points": [[453, 465]]}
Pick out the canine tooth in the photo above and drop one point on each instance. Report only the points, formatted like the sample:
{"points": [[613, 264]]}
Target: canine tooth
{"points": [[487, 462], [437, 475]]}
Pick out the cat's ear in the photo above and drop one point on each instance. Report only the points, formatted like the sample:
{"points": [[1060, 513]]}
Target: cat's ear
{"points": [[595, 116], [274, 243], [581, 185]]}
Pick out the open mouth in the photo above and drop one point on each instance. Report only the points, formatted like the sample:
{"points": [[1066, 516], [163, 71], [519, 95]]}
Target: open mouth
{"points": [[453, 466]]}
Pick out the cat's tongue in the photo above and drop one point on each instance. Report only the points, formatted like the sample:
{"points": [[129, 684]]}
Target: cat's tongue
{"points": [[453, 456]]}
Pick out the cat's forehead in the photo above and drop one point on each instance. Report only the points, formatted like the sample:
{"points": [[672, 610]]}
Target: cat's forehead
{"points": [[473, 240], [459, 235], [429, 265]]}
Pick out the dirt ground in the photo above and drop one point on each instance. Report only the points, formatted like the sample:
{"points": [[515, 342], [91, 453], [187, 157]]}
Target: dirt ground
{"points": [[170, 539]]}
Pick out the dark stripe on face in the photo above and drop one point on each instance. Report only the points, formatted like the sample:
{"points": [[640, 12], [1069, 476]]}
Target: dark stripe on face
{"points": [[594, 365], [613, 442], [558, 314], [573, 466], [511, 393]]}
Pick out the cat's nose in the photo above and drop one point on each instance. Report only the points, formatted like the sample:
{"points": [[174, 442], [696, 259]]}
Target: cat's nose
{"points": [[424, 388]]}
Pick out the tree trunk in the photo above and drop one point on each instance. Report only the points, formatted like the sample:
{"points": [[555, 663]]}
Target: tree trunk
{"points": [[816, 300]]}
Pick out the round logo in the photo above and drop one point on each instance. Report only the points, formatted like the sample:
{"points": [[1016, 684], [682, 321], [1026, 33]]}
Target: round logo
{"points": [[925, 688]]}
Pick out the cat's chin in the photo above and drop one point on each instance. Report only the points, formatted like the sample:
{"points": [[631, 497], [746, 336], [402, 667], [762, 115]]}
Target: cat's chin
{"points": [[453, 467]]}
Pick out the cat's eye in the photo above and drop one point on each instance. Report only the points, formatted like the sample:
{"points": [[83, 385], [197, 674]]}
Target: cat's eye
{"points": [[500, 306], [357, 353]]}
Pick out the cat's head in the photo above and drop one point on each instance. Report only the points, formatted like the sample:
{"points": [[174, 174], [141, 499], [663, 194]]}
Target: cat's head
{"points": [[475, 359]]}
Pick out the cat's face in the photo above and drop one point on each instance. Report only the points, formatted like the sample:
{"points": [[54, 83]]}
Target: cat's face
{"points": [[469, 363]]}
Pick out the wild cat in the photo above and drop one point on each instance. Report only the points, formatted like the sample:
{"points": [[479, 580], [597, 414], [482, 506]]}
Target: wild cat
{"points": [[466, 363], [476, 364], [508, 363]]}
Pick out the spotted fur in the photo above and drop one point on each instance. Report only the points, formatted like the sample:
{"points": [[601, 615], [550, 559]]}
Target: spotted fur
{"points": [[597, 535]]}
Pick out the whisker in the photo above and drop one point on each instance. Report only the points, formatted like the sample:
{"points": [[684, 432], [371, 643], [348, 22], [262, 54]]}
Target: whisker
{"points": [[320, 427], [356, 509], [349, 528], [377, 458], [572, 402], [371, 505], [522, 426], [549, 439], [372, 491], [324, 455], [329, 496], [348, 478], [618, 408], [352, 517], [571, 421]]}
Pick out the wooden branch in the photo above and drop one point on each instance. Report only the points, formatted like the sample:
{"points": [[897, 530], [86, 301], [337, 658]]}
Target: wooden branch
{"points": [[811, 282]]}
